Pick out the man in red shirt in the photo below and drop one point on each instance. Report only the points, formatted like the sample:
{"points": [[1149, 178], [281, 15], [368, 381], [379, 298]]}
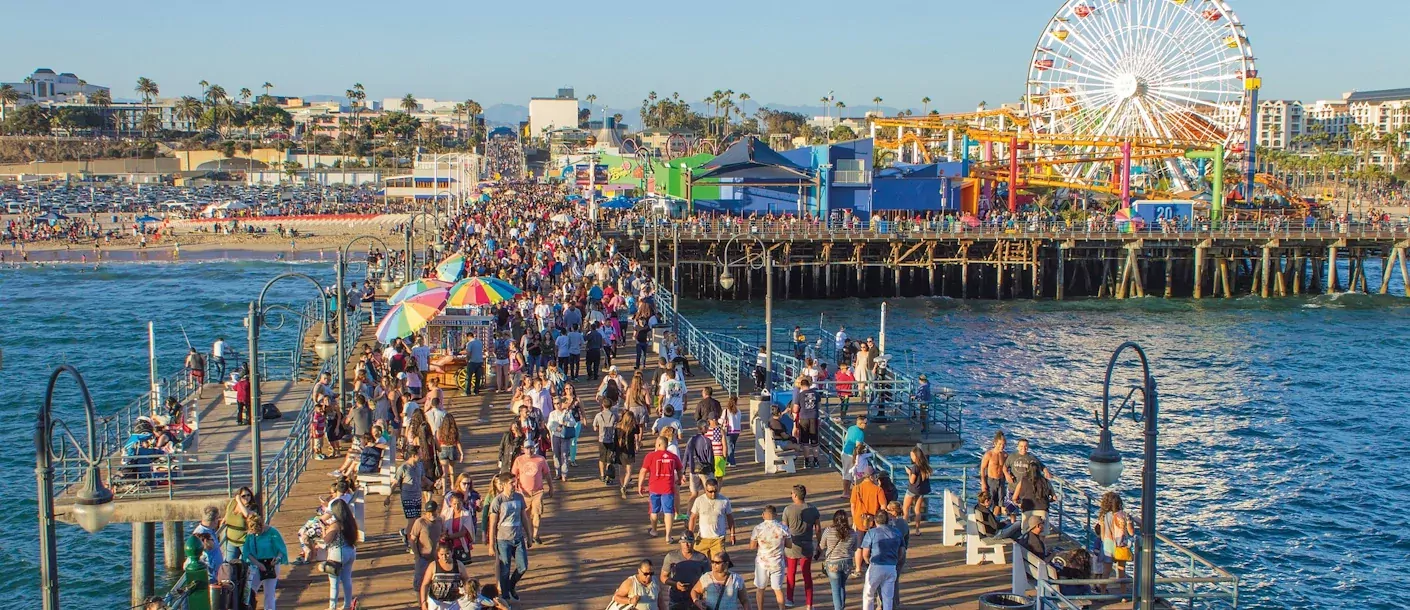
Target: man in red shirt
{"points": [[242, 400], [534, 480], [843, 382], [661, 472]]}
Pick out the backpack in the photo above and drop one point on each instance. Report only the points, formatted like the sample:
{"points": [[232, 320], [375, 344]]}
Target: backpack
{"points": [[611, 391], [609, 433], [269, 411]]}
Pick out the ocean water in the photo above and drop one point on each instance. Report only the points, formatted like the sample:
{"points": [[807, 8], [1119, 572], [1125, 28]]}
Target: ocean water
{"points": [[1282, 433], [96, 319], [1282, 429]]}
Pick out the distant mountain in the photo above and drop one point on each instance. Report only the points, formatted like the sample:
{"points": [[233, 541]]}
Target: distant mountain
{"points": [[506, 114]]}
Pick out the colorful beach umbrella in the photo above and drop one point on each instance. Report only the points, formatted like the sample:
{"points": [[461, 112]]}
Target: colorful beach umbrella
{"points": [[414, 288], [450, 269], [404, 320], [478, 291], [434, 298]]}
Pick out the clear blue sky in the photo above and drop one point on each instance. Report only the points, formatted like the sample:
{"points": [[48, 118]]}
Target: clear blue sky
{"points": [[781, 52]]}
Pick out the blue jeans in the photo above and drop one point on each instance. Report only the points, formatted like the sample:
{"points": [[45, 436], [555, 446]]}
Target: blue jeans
{"points": [[733, 441], [343, 580], [641, 349], [560, 454], [837, 580], [511, 551], [573, 443]]}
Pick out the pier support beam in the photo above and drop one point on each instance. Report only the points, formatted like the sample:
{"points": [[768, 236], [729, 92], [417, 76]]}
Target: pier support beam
{"points": [[173, 544], [1332, 270], [144, 540], [1265, 272], [1061, 284], [1199, 272]]}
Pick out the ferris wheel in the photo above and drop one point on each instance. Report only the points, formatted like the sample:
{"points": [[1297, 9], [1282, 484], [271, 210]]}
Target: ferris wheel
{"points": [[1141, 70]]}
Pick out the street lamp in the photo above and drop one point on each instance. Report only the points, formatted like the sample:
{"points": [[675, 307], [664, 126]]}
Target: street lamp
{"points": [[409, 234], [764, 261], [342, 317], [325, 347], [93, 505], [1105, 463]]}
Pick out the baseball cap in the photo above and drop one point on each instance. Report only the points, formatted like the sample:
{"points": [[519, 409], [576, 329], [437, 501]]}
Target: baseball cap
{"points": [[687, 537]]}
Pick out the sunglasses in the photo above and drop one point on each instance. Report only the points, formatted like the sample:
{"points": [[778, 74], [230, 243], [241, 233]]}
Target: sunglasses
{"points": [[648, 573], [716, 562]]}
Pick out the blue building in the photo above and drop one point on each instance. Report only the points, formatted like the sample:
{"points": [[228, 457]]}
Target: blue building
{"points": [[933, 187]]}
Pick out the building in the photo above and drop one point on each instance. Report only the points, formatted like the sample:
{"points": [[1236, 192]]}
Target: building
{"points": [[46, 86], [450, 176], [1280, 122], [553, 113], [1330, 118]]}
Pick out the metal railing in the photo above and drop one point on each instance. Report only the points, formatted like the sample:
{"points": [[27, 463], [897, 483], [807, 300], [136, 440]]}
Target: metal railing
{"points": [[722, 364], [952, 227]]}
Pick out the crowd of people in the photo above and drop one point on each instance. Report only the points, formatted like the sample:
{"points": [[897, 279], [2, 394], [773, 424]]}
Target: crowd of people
{"points": [[585, 315]]}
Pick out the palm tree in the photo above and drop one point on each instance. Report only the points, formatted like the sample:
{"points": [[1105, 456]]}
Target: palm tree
{"points": [[408, 103], [9, 96], [825, 102], [245, 95], [744, 102], [189, 109], [925, 105], [267, 86], [147, 88], [840, 105], [591, 97], [103, 99], [877, 100], [472, 110]]}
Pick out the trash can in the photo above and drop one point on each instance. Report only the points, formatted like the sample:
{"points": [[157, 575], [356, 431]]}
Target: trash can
{"points": [[1005, 601]]}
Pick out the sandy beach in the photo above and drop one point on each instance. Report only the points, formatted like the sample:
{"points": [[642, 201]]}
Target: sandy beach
{"points": [[319, 238]]}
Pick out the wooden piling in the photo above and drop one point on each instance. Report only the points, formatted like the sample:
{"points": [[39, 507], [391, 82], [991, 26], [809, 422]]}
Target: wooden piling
{"points": [[1199, 272]]}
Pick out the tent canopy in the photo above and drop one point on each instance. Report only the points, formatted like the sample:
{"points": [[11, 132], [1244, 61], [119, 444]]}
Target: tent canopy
{"points": [[752, 160]]}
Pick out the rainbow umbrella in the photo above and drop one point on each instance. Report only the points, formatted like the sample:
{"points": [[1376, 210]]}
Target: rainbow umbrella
{"points": [[416, 287], [477, 291], [450, 269], [434, 298], [405, 320]]}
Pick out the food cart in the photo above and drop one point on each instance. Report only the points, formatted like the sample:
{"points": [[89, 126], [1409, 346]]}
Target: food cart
{"points": [[447, 334]]}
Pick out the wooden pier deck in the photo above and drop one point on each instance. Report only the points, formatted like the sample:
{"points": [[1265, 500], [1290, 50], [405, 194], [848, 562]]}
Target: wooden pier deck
{"points": [[592, 537]]}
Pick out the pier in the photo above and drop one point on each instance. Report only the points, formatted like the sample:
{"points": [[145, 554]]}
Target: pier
{"points": [[1024, 261]]}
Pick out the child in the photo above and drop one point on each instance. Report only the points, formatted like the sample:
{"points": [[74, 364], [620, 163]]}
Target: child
{"points": [[318, 423]]}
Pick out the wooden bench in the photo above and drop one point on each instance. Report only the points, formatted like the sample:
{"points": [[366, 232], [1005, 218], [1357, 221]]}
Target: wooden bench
{"points": [[976, 551], [955, 517], [381, 481], [767, 447], [1028, 569]]}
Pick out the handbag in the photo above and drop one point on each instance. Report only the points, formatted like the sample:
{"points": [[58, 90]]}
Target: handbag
{"points": [[1121, 553], [330, 567]]}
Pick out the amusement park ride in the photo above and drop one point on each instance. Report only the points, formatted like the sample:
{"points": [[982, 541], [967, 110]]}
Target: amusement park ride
{"points": [[1143, 98]]}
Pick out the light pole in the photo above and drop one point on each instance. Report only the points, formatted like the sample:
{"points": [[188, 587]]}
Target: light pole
{"points": [[410, 229], [342, 292], [1105, 464], [93, 505], [727, 282], [325, 347]]}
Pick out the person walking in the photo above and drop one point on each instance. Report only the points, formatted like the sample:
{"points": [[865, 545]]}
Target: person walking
{"points": [[660, 475], [712, 516], [898, 523], [340, 535], [881, 550], [917, 487], [562, 429], [425, 536], [802, 520], [264, 551], [852, 444], [868, 499], [680, 570], [640, 591], [592, 350], [218, 358], [720, 588], [408, 482], [807, 407], [699, 459], [992, 471], [730, 423], [474, 365], [769, 539], [605, 424], [511, 542], [445, 584], [535, 482], [835, 550], [236, 521]]}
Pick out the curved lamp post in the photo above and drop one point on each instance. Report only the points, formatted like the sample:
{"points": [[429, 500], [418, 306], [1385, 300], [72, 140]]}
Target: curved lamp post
{"points": [[93, 505], [754, 262], [1105, 463], [325, 347], [410, 234], [342, 319]]}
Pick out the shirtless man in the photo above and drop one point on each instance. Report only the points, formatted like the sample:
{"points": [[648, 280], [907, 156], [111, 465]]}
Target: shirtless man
{"points": [[992, 471]]}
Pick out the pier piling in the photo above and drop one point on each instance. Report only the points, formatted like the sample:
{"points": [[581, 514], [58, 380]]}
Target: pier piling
{"points": [[173, 544], [144, 539]]}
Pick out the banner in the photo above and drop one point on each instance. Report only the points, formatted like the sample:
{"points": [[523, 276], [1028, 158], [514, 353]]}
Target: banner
{"points": [[580, 174]]}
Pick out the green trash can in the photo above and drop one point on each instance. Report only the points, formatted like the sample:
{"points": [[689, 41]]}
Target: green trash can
{"points": [[1005, 601]]}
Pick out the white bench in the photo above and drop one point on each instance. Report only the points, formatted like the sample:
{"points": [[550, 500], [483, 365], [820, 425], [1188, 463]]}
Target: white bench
{"points": [[976, 551], [767, 448], [381, 481], [1028, 569], [359, 508], [954, 520]]}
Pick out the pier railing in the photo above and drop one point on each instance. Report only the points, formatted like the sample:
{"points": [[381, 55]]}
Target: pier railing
{"points": [[786, 230]]}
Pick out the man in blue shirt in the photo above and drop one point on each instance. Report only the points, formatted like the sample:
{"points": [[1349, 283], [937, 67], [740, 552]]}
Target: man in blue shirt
{"points": [[855, 436], [474, 365], [881, 549]]}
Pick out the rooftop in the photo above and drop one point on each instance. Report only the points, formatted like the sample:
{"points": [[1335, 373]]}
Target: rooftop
{"points": [[1383, 95]]}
